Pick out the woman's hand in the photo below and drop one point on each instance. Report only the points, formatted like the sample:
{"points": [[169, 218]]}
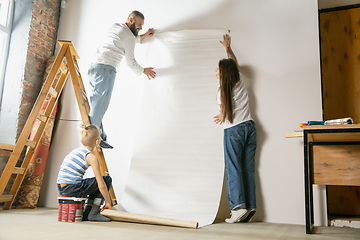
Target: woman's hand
{"points": [[219, 119], [226, 41]]}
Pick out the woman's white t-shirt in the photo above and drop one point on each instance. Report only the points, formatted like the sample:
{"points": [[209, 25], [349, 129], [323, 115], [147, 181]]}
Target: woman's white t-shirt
{"points": [[240, 100]]}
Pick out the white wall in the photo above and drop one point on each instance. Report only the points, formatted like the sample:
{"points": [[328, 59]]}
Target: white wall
{"points": [[277, 45]]}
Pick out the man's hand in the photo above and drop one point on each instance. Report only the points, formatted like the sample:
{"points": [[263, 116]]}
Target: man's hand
{"points": [[149, 73], [148, 33], [226, 41]]}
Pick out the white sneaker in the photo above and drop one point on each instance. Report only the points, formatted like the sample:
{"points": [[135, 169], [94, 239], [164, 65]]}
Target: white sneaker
{"points": [[237, 215], [249, 215]]}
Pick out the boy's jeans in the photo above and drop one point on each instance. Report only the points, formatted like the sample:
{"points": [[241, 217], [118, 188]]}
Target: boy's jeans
{"points": [[101, 78], [239, 149], [88, 186]]}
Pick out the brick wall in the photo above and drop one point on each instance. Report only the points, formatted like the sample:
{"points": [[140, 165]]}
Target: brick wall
{"points": [[42, 42]]}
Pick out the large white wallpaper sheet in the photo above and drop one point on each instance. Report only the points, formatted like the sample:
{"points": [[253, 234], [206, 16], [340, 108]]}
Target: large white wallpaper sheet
{"points": [[177, 165]]}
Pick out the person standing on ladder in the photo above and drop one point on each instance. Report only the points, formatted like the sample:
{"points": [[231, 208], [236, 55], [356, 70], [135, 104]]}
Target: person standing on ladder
{"points": [[119, 43]]}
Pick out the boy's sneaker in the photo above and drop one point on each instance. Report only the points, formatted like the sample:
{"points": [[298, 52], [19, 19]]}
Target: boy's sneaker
{"points": [[237, 215], [249, 215]]}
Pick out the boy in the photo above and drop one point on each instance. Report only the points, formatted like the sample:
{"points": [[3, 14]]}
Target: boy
{"points": [[70, 179]]}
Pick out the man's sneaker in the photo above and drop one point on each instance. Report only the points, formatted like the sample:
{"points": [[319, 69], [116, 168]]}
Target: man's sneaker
{"points": [[236, 215], [249, 215], [104, 144]]}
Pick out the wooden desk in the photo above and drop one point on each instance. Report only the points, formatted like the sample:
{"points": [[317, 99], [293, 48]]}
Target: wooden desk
{"points": [[324, 147]]}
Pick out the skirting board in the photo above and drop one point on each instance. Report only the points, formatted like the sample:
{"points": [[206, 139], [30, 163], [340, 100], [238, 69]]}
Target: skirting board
{"points": [[138, 218]]}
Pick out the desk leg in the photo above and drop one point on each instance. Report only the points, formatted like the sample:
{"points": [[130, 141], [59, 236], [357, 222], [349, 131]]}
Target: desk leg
{"points": [[308, 185], [311, 190]]}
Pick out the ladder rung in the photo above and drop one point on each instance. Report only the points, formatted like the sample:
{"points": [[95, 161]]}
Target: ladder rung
{"points": [[7, 146], [53, 92], [77, 69], [6, 198], [42, 117], [30, 143], [18, 170], [83, 93]]}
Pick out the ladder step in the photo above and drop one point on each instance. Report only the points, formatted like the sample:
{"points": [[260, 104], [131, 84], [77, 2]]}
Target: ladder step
{"points": [[7, 146], [6, 198], [83, 93], [30, 143], [53, 92], [42, 117], [18, 170], [77, 69]]}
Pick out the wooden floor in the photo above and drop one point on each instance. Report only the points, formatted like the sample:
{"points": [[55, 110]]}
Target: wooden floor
{"points": [[16, 224]]}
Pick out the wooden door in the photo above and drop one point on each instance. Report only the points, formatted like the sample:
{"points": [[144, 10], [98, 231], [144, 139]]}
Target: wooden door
{"points": [[340, 69]]}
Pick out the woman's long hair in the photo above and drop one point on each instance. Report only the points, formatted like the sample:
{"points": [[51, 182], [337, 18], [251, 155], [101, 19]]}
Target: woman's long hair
{"points": [[229, 76]]}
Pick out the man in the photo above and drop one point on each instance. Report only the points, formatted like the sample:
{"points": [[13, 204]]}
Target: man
{"points": [[119, 43]]}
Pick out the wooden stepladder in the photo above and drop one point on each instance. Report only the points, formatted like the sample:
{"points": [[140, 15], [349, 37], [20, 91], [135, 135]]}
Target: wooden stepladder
{"points": [[66, 62]]}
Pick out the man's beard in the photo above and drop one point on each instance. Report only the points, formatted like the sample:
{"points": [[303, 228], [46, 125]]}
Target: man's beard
{"points": [[133, 29]]}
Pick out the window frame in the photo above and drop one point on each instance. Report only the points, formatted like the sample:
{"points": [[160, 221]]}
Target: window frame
{"points": [[6, 30]]}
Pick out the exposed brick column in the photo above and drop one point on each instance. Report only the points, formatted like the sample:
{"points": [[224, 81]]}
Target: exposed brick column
{"points": [[41, 46]]}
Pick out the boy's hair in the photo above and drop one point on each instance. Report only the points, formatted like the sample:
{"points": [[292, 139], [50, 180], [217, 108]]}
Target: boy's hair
{"points": [[89, 133]]}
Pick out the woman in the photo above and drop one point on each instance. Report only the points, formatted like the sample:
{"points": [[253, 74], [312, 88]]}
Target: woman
{"points": [[239, 137]]}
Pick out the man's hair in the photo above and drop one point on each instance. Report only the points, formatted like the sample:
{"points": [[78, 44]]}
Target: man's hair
{"points": [[135, 13]]}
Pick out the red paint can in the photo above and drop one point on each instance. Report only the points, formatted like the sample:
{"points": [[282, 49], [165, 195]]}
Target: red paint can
{"points": [[70, 209]]}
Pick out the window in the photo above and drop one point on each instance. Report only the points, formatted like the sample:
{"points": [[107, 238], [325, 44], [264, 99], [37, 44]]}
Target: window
{"points": [[6, 14]]}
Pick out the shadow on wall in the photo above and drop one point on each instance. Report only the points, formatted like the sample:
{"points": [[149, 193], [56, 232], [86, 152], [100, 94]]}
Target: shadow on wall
{"points": [[248, 75]]}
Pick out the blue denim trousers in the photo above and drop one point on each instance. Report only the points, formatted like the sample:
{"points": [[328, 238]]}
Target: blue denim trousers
{"points": [[101, 78], [239, 151], [87, 187]]}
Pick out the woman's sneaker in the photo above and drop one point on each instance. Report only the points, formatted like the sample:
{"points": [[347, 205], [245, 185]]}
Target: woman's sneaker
{"points": [[237, 215], [249, 215]]}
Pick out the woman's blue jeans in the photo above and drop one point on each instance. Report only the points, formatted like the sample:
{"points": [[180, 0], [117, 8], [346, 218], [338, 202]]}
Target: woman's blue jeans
{"points": [[88, 186], [239, 149], [101, 78]]}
